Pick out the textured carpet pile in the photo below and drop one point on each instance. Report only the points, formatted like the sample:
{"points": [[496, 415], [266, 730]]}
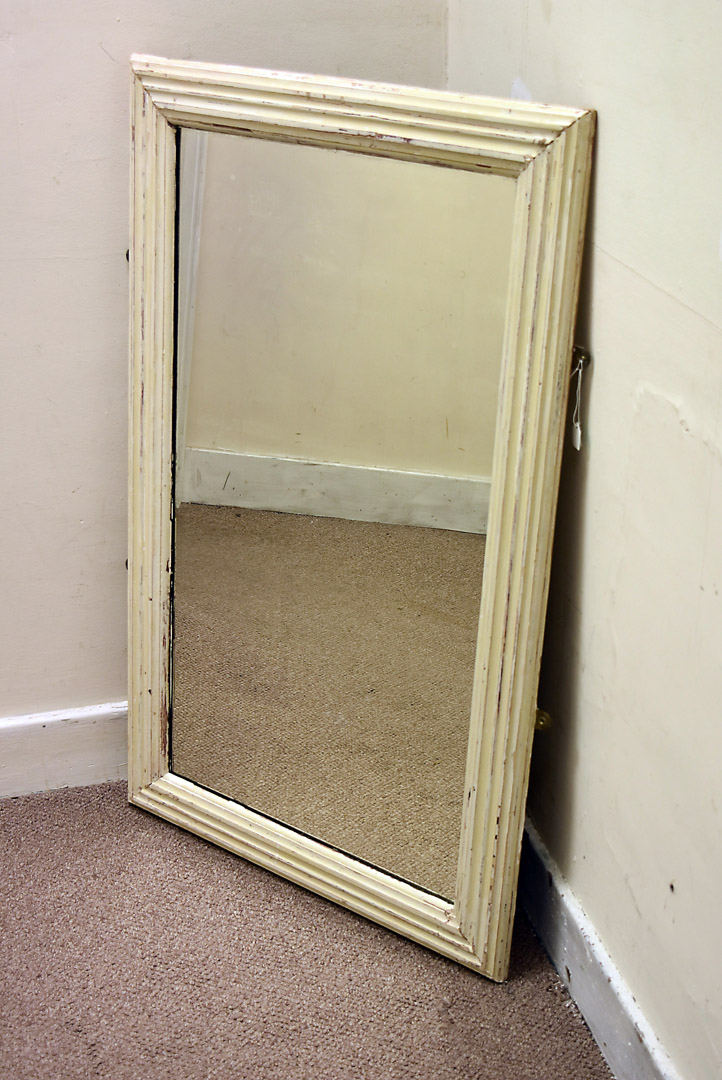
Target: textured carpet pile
{"points": [[323, 672], [131, 950]]}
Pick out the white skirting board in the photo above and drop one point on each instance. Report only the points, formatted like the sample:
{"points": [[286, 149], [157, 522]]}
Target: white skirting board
{"points": [[359, 493], [628, 1043], [65, 748]]}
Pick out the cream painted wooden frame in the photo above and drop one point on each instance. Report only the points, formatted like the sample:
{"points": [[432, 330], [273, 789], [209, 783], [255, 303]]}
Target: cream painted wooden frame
{"points": [[547, 152]]}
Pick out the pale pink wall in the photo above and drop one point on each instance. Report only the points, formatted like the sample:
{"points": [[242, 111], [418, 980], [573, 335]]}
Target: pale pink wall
{"points": [[64, 84]]}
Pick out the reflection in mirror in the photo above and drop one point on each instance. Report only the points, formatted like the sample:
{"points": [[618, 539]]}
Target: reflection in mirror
{"points": [[340, 335]]}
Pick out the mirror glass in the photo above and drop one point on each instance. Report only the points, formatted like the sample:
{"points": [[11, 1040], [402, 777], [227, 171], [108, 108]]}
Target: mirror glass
{"points": [[340, 332]]}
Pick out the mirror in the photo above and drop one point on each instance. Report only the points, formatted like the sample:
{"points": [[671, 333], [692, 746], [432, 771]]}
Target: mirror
{"points": [[352, 319], [336, 415]]}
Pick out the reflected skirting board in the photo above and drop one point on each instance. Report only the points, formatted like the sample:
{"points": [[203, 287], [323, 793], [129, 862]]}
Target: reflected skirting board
{"points": [[330, 489], [76, 747]]}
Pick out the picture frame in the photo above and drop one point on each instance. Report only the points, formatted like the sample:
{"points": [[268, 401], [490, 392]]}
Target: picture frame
{"points": [[546, 151]]}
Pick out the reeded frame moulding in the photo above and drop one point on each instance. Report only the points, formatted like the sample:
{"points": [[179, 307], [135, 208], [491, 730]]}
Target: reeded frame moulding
{"points": [[547, 153]]}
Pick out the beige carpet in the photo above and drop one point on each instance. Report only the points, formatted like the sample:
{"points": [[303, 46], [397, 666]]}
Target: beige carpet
{"points": [[131, 950], [323, 674]]}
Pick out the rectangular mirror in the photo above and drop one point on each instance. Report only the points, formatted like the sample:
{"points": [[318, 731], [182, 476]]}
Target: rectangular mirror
{"points": [[341, 390], [352, 315]]}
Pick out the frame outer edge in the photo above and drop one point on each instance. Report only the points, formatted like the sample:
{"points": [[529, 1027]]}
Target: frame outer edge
{"points": [[152, 282], [439, 127], [154, 71], [400, 907], [574, 150], [491, 838]]}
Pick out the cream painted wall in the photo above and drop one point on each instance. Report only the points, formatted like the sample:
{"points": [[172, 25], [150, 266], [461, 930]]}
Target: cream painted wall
{"points": [[625, 787], [64, 84], [348, 308]]}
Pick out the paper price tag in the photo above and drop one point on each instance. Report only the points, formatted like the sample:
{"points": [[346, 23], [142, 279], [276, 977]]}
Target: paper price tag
{"points": [[577, 437], [581, 360]]}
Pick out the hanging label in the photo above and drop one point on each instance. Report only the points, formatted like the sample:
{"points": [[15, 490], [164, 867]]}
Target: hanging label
{"points": [[581, 359]]}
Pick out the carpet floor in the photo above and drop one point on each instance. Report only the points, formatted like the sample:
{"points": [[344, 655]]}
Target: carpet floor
{"points": [[323, 672], [131, 950]]}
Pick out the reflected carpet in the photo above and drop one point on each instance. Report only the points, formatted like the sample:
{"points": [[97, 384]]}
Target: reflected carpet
{"points": [[323, 673]]}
